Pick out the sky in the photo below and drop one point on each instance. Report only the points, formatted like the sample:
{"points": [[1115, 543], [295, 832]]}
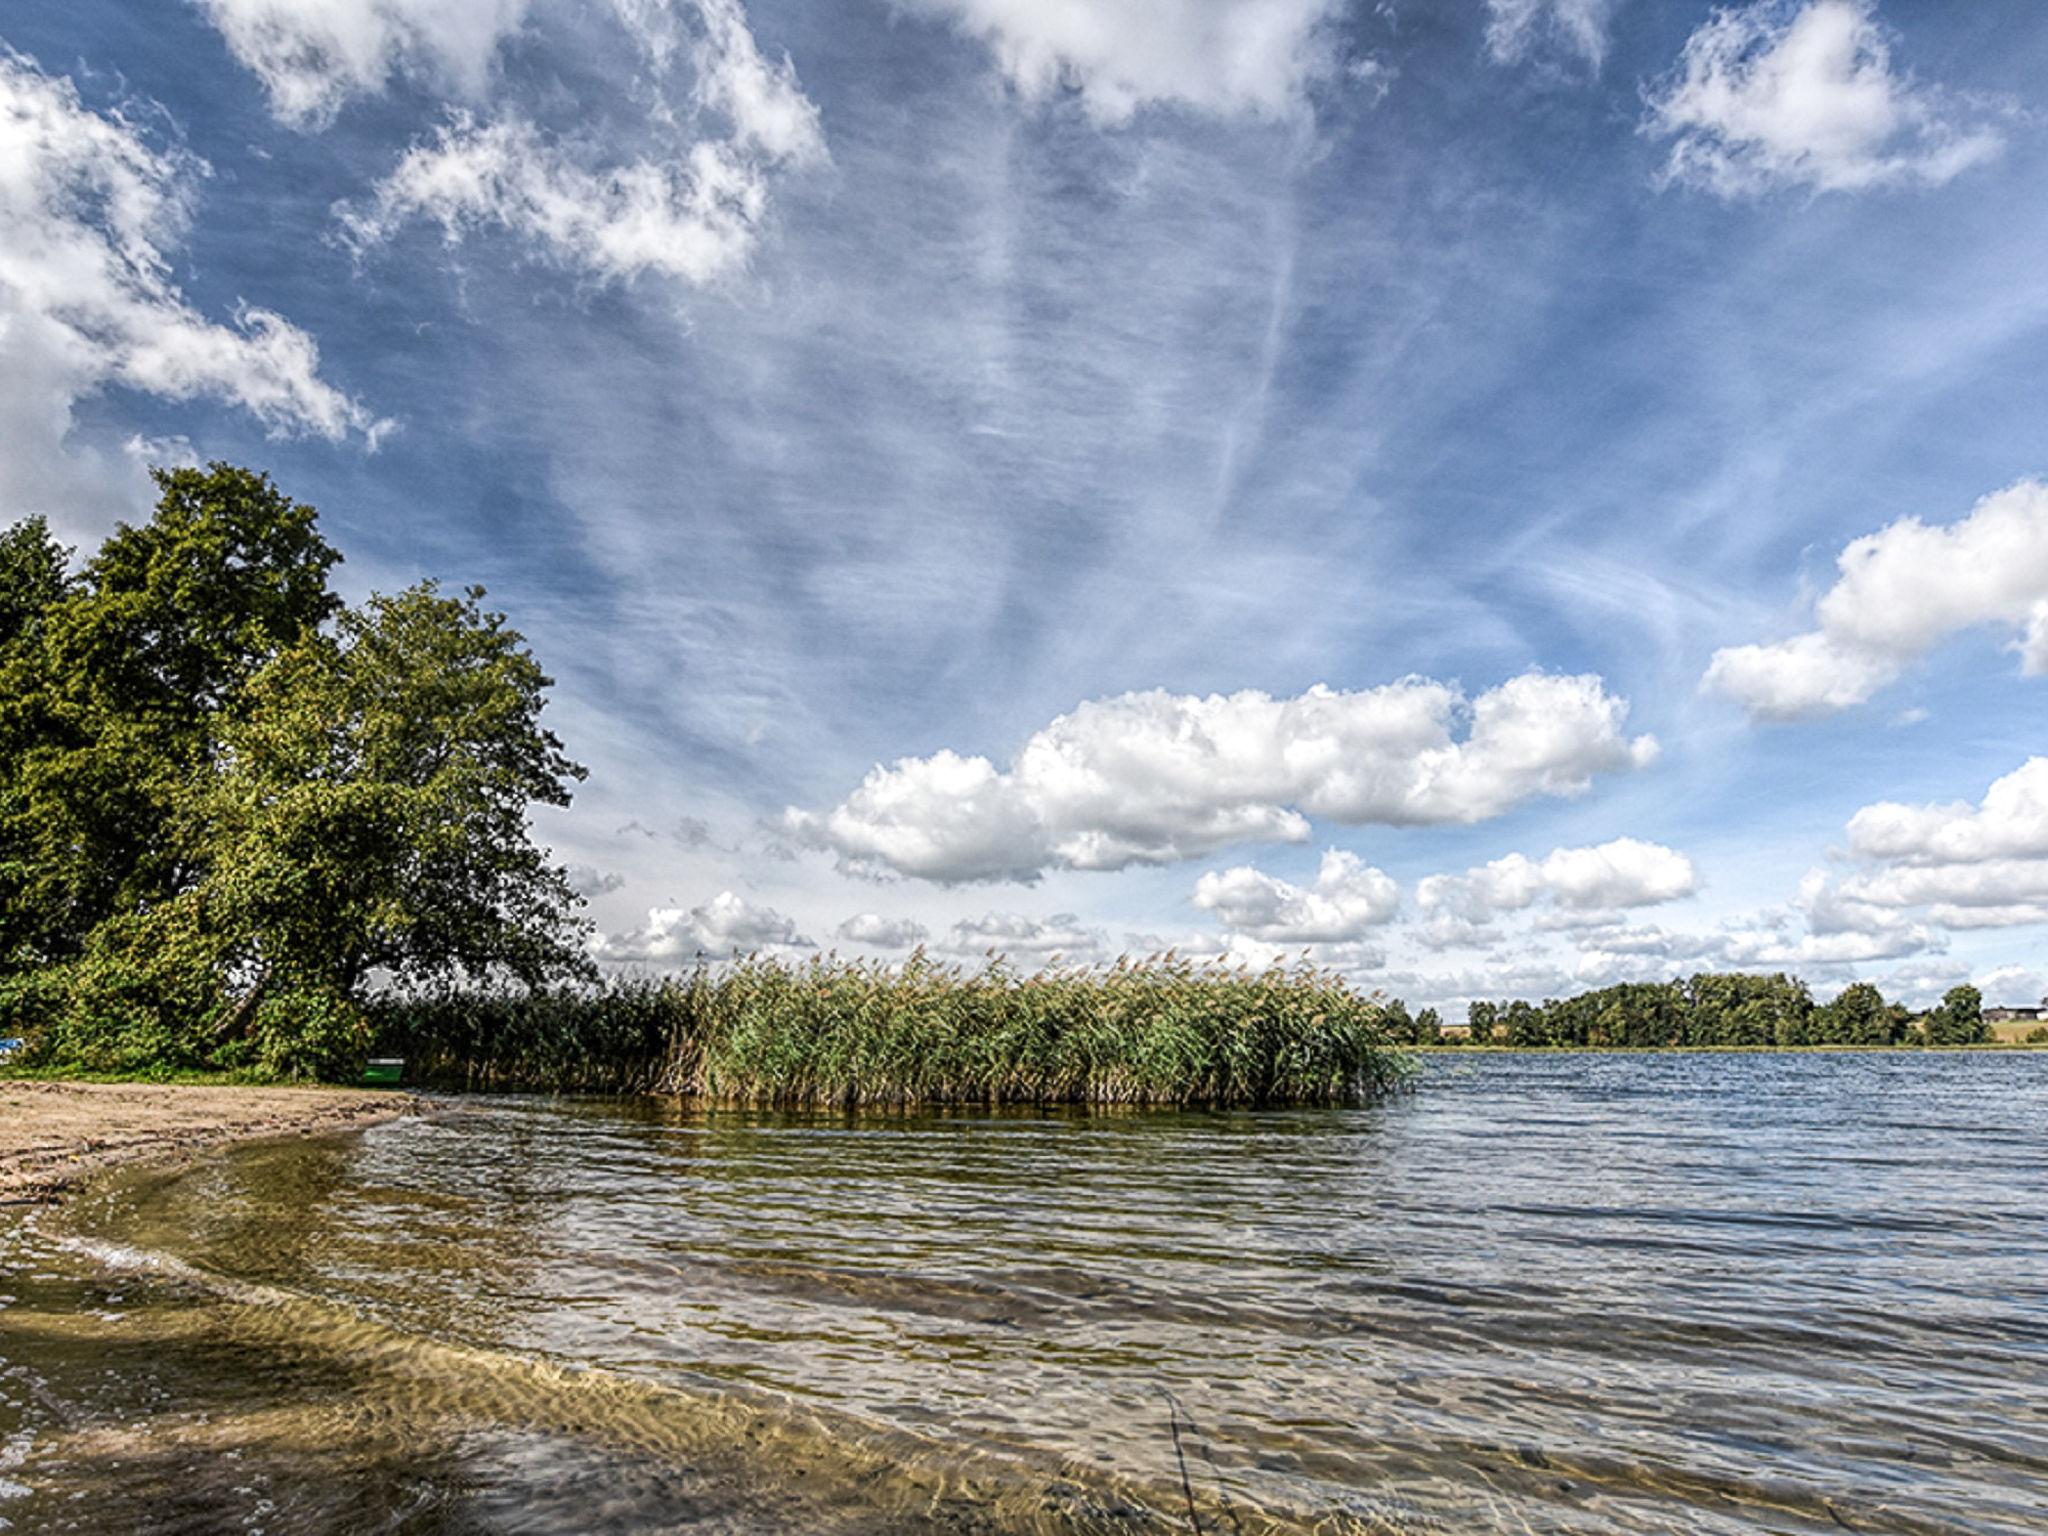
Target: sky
{"points": [[1497, 496]]}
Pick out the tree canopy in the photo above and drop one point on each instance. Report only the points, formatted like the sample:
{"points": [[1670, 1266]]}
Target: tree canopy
{"points": [[1727, 1009], [229, 804]]}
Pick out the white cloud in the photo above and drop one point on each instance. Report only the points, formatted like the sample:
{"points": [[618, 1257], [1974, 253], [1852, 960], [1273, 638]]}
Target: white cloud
{"points": [[1769, 95], [881, 932], [2010, 822], [313, 55], [1614, 876], [1347, 898], [1900, 592], [1012, 933], [1515, 29], [770, 115], [2009, 985], [2017, 886], [1954, 865], [1226, 57], [93, 215], [1766, 947], [725, 926], [1152, 778], [693, 218], [692, 212]]}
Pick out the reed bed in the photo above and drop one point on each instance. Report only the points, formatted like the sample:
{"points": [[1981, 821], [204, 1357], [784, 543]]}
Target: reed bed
{"points": [[834, 1033]]}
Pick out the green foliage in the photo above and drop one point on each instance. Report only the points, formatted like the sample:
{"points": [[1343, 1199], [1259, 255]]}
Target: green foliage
{"points": [[844, 1033], [370, 807], [1958, 1020], [2036, 1036], [114, 697], [1859, 1016], [227, 802], [317, 1034], [32, 580], [148, 990], [1730, 1011], [1484, 1019]]}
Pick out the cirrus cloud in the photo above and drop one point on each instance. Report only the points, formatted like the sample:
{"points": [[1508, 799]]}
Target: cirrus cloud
{"points": [[1224, 57], [1154, 778], [692, 211], [1515, 29]]}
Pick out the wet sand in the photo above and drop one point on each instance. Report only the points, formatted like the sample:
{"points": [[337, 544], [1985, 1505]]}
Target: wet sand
{"points": [[53, 1135]]}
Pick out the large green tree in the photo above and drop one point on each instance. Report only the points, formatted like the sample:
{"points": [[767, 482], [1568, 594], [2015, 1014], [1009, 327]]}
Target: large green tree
{"points": [[117, 689], [229, 805], [370, 811], [1958, 1019]]}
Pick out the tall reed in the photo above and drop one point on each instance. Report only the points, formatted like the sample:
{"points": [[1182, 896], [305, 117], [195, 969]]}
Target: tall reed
{"points": [[847, 1033]]}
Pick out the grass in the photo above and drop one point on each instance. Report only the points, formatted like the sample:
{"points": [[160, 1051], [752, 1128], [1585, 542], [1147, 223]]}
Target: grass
{"points": [[842, 1033]]}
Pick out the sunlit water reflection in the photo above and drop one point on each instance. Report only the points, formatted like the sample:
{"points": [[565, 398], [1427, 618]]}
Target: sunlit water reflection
{"points": [[1579, 1293]]}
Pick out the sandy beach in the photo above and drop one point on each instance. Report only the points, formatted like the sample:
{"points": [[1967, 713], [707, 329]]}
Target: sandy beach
{"points": [[53, 1134]]}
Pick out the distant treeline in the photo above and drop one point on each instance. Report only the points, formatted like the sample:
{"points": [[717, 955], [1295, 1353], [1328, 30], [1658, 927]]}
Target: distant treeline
{"points": [[835, 1033], [1707, 1010]]}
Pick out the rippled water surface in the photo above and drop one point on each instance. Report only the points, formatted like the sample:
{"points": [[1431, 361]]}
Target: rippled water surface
{"points": [[1576, 1293]]}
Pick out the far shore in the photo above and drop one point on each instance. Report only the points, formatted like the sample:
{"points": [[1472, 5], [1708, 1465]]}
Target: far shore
{"points": [[55, 1134]]}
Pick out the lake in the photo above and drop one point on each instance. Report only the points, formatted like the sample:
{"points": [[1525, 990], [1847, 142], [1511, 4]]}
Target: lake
{"points": [[1570, 1293]]}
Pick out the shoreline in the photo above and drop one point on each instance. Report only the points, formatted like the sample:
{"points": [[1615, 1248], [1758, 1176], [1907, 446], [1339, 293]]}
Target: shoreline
{"points": [[55, 1134]]}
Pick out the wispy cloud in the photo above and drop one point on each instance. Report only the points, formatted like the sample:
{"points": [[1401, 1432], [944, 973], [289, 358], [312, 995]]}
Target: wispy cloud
{"points": [[95, 213], [1227, 57], [1772, 95]]}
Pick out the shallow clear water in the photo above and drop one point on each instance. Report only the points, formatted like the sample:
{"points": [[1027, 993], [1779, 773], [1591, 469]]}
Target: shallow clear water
{"points": [[1576, 1293]]}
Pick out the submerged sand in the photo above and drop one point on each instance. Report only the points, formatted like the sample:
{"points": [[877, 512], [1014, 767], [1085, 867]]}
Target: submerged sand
{"points": [[52, 1135]]}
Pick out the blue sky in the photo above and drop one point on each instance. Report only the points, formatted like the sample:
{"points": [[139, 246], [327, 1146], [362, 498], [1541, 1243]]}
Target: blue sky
{"points": [[1250, 475]]}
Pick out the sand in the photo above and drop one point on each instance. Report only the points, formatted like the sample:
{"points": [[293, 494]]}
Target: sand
{"points": [[52, 1135]]}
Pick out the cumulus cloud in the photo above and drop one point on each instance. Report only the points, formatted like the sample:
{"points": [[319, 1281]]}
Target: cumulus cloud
{"points": [[1012, 933], [1226, 57], [1955, 865], [1153, 778], [313, 55], [2010, 822], [1516, 29], [1615, 876], [93, 215], [1792, 951], [1900, 592], [1347, 898], [1772, 95], [693, 210], [883, 932], [725, 926]]}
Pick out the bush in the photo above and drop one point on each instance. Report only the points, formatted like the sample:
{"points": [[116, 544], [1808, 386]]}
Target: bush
{"points": [[311, 1034]]}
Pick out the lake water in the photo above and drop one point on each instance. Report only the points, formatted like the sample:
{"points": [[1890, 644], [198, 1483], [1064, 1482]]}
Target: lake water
{"points": [[1671, 1293]]}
